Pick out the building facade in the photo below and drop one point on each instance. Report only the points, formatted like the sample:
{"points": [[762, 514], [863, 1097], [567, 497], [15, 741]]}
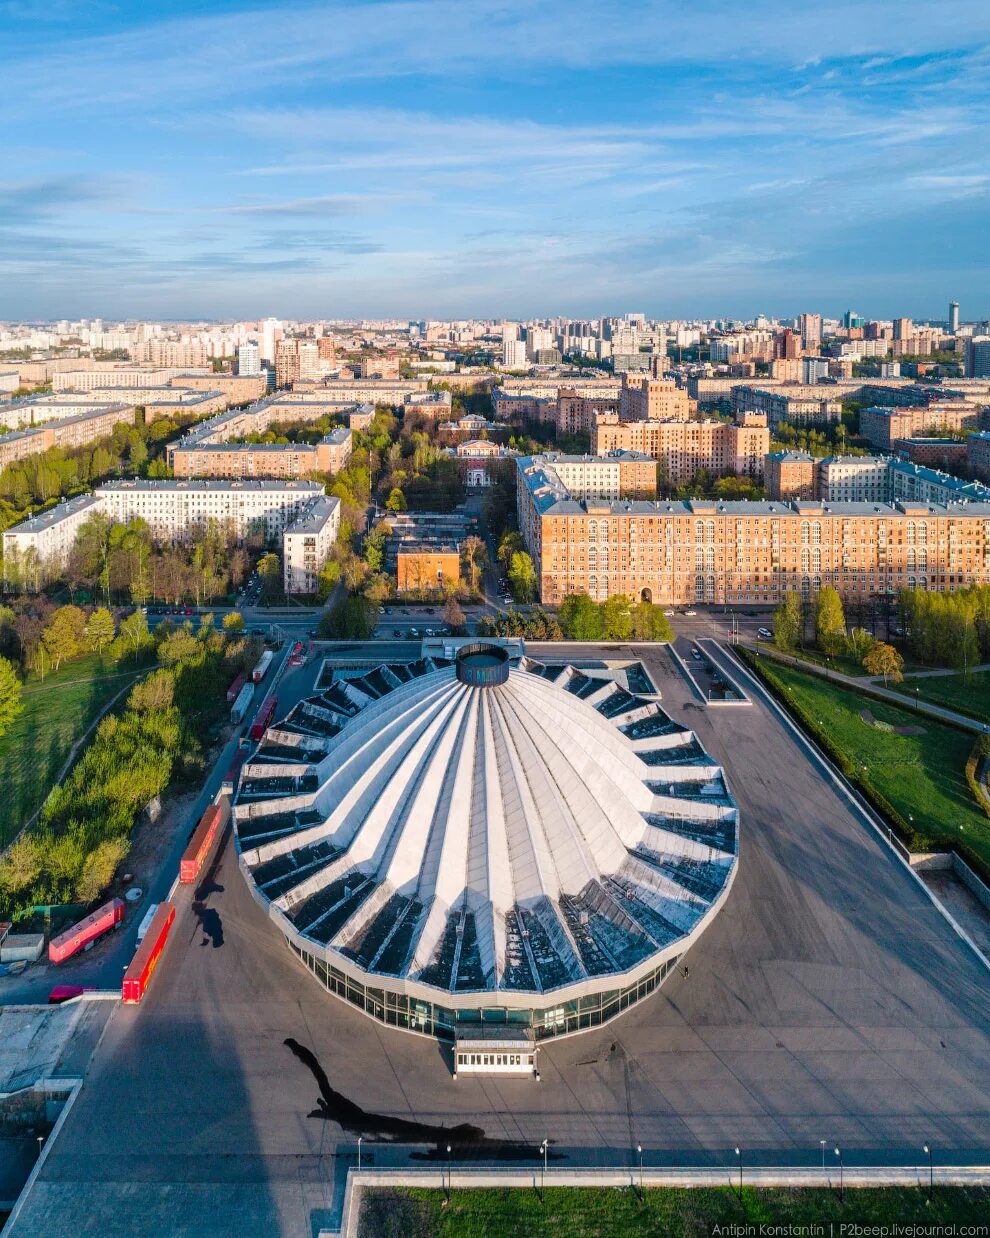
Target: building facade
{"points": [[678, 553], [789, 475], [883, 426], [684, 447], [307, 543]]}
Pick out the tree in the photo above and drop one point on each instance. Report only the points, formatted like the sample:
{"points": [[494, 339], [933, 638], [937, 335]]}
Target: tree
{"points": [[510, 544], [883, 659], [616, 619], [155, 691], [650, 623], [350, 619], [454, 616], [21, 865], [233, 622], [474, 557], [787, 622], [99, 868], [63, 636], [830, 621], [859, 643], [134, 633], [10, 695], [270, 572], [580, 618], [327, 579], [396, 501], [522, 577], [100, 629]]}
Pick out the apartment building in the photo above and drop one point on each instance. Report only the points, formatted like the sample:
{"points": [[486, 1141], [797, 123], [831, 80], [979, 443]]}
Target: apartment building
{"points": [[76, 431], [307, 543], [575, 414], [426, 566], [884, 426], [653, 399], [363, 390], [432, 405], [361, 417], [678, 553], [615, 475], [112, 375], [915, 481], [948, 454], [848, 479], [36, 550], [796, 405], [789, 475], [272, 460], [684, 447], [978, 454]]}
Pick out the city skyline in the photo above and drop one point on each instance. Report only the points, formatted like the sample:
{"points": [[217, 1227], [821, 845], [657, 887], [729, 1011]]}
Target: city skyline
{"points": [[410, 159]]}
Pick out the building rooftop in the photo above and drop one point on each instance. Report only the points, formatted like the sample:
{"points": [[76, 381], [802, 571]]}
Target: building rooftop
{"points": [[315, 515], [200, 485], [791, 457], [451, 833], [54, 515]]}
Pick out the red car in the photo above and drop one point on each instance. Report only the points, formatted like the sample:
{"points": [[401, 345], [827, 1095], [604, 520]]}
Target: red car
{"points": [[64, 993]]}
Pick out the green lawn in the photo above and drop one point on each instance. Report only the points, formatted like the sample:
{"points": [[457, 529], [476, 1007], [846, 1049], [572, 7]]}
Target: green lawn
{"points": [[56, 712], [923, 776], [968, 696], [569, 1212]]}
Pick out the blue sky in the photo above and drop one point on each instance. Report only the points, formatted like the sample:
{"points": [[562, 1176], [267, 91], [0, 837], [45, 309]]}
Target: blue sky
{"points": [[428, 158]]}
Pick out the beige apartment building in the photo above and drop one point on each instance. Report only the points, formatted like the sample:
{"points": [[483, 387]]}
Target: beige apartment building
{"points": [[678, 553], [575, 414], [684, 447], [262, 460], [617, 475], [789, 475], [74, 431], [884, 426], [307, 542], [653, 399]]}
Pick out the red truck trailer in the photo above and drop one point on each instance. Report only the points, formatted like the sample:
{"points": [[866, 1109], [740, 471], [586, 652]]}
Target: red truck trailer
{"points": [[211, 825], [146, 957], [297, 656], [84, 933], [264, 716], [234, 690], [229, 784]]}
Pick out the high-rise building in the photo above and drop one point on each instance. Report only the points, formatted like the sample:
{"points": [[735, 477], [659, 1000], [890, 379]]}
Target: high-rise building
{"points": [[811, 331], [953, 317], [249, 360], [903, 328], [271, 333], [514, 354], [978, 357]]}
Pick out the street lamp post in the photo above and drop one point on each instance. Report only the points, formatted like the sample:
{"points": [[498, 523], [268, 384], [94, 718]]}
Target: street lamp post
{"points": [[448, 1171], [838, 1153], [931, 1172], [739, 1158], [360, 1141], [639, 1149], [822, 1142], [543, 1181]]}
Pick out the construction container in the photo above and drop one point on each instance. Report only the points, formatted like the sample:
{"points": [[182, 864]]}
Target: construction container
{"points": [[264, 716], [261, 670], [211, 825], [82, 935], [234, 690], [229, 784], [243, 703], [142, 966]]}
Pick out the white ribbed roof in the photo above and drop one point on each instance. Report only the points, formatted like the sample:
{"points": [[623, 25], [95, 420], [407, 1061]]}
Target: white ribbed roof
{"points": [[517, 838]]}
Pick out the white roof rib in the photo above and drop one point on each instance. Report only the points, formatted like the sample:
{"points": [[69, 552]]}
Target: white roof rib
{"points": [[473, 835]]}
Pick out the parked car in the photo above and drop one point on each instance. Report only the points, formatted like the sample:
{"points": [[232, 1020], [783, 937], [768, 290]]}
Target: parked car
{"points": [[690, 613], [765, 634], [396, 631], [414, 631], [670, 613], [696, 654]]}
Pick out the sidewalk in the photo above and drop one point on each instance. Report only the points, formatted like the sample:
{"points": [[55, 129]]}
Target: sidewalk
{"points": [[870, 687]]}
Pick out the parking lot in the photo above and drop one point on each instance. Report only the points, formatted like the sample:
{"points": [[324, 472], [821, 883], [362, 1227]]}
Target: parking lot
{"points": [[829, 1000]]}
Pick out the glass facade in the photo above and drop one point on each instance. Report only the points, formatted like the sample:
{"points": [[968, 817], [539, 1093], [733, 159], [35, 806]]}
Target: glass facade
{"points": [[432, 1019]]}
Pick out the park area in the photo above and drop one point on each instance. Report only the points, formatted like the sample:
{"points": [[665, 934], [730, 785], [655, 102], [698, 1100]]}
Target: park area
{"points": [[585, 1212], [916, 764], [966, 694], [57, 710]]}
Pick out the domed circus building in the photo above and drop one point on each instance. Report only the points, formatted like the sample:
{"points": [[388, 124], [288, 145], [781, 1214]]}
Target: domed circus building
{"points": [[479, 847]]}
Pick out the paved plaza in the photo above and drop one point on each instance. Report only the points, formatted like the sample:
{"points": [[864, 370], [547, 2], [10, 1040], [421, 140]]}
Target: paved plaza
{"points": [[829, 1000]]}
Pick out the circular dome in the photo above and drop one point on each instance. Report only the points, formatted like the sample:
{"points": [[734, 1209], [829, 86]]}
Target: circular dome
{"points": [[478, 835]]}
